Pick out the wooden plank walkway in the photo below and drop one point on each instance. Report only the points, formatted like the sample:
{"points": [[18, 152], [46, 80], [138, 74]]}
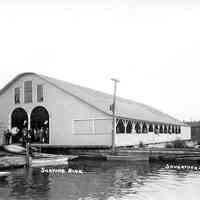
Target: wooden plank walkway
{"points": [[151, 154], [128, 157]]}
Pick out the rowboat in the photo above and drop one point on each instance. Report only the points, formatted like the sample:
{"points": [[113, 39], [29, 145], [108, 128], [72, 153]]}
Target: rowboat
{"points": [[49, 162], [3, 174], [14, 148]]}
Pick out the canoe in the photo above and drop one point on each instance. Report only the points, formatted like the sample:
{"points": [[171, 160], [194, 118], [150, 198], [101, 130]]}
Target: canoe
{"points": [[14, 148], [49, 162], [2, 174]]}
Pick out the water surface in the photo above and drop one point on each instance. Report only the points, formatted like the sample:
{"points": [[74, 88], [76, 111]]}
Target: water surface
{"points": [[103, 180]]}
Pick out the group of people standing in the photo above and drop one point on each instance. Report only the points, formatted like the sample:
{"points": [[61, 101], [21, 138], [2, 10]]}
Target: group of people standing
{"points": [[35, 135], [40, 135], [7, 137]]}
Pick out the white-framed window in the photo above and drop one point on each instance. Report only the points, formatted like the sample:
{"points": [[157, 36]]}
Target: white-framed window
{"points": [[28, 96], [17, 95], [40, 93], [92, 126]]}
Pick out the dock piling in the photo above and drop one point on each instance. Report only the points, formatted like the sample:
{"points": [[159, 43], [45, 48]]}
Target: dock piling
{"points": [[28, 158]]}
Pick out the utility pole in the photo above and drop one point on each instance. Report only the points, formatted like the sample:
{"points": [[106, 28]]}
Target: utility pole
{"points": [[113, 108], [28, 162], [28, 157]]}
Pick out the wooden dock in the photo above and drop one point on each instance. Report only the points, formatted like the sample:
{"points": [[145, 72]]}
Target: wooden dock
{"points": [[109, 155], [136, 154], [128, 158], [175, 155], [120, 154]]}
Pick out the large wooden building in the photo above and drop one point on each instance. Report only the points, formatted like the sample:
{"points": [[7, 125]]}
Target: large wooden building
{"points": [[79, 116]]}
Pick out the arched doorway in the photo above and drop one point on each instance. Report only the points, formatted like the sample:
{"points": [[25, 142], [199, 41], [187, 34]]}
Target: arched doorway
{"points": [[19, 119], [40, 124]]}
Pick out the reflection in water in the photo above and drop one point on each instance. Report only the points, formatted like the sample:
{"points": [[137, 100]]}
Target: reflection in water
{"points": [[103, 180], [26, 182]]}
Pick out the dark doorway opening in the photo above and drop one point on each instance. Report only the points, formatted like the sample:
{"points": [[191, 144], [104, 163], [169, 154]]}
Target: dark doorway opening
{"points": [[40, 125], [120, 126], [19, 119]]}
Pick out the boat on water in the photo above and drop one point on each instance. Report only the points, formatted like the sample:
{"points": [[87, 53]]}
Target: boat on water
{"points": [[3, 174], [38, 159], [49, 162], [12, 148]]}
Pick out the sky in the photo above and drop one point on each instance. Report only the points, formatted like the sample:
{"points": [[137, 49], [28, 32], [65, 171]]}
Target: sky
{"points": [[151, 46]]}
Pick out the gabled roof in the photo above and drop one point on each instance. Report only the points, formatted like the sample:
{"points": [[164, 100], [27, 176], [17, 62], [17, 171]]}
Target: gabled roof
{"points": [[124, 108]]}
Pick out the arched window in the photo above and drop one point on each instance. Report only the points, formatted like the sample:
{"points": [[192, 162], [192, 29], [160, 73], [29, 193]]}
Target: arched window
{"points": [[129, 127], [40, 124], [179, 129], [173, 129], [176, 129], [144, 128], [120, 126], [150, 127], [165, 129], [169, 129], [137, 128], [156, 130], [161, 129], [19, 119]]}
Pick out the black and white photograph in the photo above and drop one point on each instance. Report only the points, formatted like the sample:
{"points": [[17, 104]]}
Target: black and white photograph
{"points": [[99, 100]]}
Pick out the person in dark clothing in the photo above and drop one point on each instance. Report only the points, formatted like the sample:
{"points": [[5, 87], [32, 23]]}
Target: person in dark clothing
{"points": [[7, 136], [47, 135], [29, 136], [41, 134], [24, 136]]}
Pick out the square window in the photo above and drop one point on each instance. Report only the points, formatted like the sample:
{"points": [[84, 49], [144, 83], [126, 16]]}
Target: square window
{"points": [[40, 96], [28, 92], [17, 95]]}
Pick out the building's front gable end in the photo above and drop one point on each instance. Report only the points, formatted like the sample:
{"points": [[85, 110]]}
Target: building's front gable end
{"points": [[23, 104], [25, 92]]}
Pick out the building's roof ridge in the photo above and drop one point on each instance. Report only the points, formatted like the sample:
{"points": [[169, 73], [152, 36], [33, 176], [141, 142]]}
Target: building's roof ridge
{"points": [[121, 99], [76, 85], [95, 90]]}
